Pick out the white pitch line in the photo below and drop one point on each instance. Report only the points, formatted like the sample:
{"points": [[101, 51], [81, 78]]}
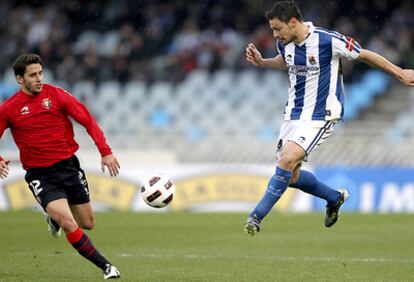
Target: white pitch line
{"points": [[281, 258], [235, 257]]}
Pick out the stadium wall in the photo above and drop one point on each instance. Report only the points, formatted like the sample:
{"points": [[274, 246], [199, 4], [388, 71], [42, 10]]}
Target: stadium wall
{"points": [[224, 187]]}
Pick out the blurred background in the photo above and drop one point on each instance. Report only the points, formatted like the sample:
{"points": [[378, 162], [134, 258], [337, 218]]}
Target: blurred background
{"points": [[169, 84]]}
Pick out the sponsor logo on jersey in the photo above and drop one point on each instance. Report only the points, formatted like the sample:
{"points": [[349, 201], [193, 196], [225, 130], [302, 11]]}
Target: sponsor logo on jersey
{"points": [[46, 103], [24, 110], [302, 70], [289, 58]]}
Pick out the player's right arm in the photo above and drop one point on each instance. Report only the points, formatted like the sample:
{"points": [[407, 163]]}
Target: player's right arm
{"points": [[254, 57], [4, 168], [4, 164]]}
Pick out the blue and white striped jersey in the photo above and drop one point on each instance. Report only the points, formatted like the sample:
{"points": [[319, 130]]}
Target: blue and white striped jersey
{"points": [[316, 87]]}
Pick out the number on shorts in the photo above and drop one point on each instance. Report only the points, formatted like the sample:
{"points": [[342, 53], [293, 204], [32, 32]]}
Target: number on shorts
{"points": [[35, 185]]}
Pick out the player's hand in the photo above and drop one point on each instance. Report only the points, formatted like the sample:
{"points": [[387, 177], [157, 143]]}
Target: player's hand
{"points": [[112, 164], [4, 168], [253, 55], [407, 77]]}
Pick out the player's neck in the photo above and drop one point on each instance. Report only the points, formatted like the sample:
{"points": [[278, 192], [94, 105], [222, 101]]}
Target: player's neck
{"points": [[28, 92], [302, 32]]}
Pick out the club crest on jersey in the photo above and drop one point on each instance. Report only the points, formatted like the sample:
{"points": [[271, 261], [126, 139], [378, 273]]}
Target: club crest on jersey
{"points": [[312, 60], [46, 103]]}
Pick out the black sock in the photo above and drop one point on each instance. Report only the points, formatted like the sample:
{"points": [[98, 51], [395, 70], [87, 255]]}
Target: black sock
{"points": [[55, 224], [84, 246]]}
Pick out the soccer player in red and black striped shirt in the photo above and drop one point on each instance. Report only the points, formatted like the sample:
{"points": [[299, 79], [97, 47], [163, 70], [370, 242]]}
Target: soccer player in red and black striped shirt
{"points": [[38, 118]]}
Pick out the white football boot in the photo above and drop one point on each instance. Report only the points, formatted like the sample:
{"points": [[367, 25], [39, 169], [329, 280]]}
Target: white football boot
{"points": [[111, 272], [54, 230]]}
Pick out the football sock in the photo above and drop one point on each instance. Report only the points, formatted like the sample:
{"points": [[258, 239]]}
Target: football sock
{"points": [[55, 224], [84, 246], [308, 183], [277, 185]]}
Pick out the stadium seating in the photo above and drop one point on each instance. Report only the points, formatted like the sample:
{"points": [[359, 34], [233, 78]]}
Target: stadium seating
{"points": [[361, 94], [250, 102], [235, 105], [207, 95]]}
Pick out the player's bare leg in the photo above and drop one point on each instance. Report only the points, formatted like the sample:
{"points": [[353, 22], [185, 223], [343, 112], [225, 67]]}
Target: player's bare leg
{"points": [[83, 215], [60, 211]]}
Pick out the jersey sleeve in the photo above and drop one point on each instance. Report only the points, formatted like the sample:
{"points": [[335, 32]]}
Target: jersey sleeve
{"points": [[78, 111], [345, 46]]}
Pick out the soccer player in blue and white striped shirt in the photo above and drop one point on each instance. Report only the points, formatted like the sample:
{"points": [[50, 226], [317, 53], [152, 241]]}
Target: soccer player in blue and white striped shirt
{"points": [[311, 55]]}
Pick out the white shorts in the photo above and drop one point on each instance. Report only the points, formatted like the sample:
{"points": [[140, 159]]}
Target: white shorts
{"points": [[307, 134]]}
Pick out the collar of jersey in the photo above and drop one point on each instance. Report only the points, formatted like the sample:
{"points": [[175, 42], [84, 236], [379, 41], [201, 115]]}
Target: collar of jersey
{"points": [[310, 31]]}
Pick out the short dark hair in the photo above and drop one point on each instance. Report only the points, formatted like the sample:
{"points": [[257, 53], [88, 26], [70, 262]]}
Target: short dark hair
{"points": [[20, 64], [284, 11]]}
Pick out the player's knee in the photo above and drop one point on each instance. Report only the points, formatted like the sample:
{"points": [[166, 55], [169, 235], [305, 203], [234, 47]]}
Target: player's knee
{"points": [[67, 224], [88, 224], [288, 161]]}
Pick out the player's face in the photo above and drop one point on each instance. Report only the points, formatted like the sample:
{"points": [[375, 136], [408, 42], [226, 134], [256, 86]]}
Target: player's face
{"points": [[284, 32], [31, 81]]}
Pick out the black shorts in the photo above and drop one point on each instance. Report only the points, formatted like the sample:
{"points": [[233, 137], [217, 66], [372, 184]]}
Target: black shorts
{"points": [[65, 179]]}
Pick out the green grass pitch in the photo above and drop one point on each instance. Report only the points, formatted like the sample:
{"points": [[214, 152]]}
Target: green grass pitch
{"points": [[213, 247]]}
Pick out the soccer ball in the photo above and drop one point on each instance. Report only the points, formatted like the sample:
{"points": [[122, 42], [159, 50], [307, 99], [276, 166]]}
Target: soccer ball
{"points": [[158, 191]]}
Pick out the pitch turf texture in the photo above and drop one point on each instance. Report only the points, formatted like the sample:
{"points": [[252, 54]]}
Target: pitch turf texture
{"points": [[213, 247]]}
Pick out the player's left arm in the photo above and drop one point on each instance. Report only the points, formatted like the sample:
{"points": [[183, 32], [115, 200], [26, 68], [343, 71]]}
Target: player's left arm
{"points": [[406, 76], [111, 162], [80, 113]]}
